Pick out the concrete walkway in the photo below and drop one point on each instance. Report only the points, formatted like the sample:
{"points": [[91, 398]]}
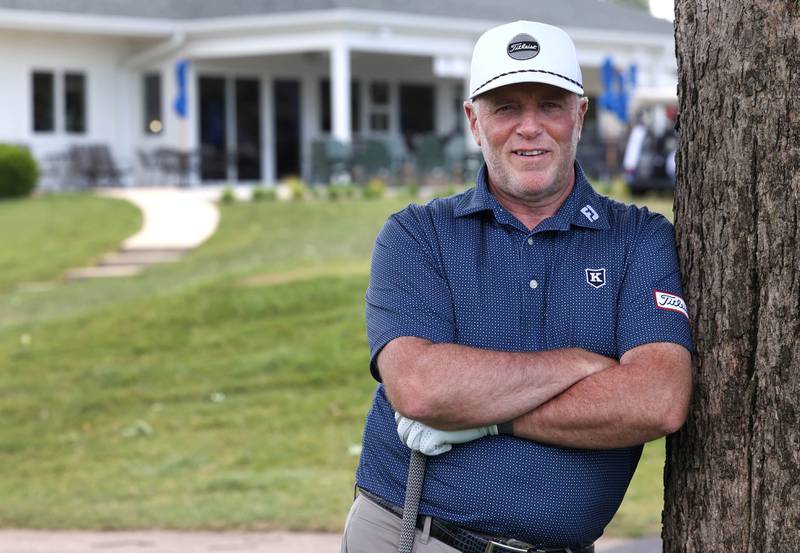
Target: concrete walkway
{"points": [[175, 221], [29, 541]]}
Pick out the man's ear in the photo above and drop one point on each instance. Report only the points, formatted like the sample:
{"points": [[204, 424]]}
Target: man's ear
{"points": [[583, 105], [471, 111]]}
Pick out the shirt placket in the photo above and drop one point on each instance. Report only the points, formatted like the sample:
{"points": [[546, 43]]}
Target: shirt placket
{"points": [[534, 250]]}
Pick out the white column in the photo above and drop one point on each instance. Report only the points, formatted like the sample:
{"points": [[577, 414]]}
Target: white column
{"points": [[126, 110], [267, 131], [340, 92], [193, 100], [309, 103], [443, 114], [230, 129]]}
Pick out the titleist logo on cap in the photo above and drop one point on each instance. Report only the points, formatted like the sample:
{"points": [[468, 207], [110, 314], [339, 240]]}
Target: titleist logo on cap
{"points": [[523, 47]]}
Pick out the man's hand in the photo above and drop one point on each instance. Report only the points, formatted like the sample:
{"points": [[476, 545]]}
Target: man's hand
{"points": [[646, 396], [432, 441]]}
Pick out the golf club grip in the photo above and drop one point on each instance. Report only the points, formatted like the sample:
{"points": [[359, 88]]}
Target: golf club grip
{"points": [[416, 477]]}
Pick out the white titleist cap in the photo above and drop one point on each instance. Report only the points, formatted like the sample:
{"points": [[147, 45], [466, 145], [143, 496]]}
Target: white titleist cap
{"points": [[524, 52]]}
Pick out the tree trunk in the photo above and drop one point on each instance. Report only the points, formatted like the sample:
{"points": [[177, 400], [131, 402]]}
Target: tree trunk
{"points": [[733, 473]]}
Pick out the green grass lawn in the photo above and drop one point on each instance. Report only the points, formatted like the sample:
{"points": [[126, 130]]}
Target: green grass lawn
{"points": [[49, 234], [226, 391]]}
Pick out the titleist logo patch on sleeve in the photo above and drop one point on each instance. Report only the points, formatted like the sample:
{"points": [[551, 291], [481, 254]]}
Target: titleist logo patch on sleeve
{"points": [[671, 302]]}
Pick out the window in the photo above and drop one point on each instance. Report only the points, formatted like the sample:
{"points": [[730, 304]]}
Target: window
{"points": [[379, 93], [416, 109], [153, 123], [379, 106], [325, 105], [75, 102], [71, 89], [379, 121], [43, 102], [355, 106]]}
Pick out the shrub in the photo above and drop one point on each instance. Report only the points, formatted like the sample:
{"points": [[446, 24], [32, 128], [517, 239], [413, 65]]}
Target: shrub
{"points": [[335, 193], [228, 195], [342, 191], [264, 194], [451, 190], [447, 191], [412, 190], [375, 189], [317, 192], [297, 188], [601, 186], [350, 191], [18, 171]]}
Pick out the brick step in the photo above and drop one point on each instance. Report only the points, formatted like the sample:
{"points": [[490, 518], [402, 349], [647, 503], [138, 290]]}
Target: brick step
{"points": [[104, 271], [141, 257]]}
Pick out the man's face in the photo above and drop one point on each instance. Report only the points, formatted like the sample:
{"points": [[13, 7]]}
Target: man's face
{"points": [[529, 133]]}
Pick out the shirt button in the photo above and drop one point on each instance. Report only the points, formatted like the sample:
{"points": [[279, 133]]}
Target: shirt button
{"points": [[534, 284], [530, 241]]}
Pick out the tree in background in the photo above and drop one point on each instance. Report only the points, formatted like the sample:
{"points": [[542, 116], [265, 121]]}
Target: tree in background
{"points": [[733, 472]]}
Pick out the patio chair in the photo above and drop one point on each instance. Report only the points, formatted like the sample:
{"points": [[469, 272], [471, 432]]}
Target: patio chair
{"points": [[455, 154], [372, 157], [329, 158], [148, 166], [397, 149], [214, 162], [55, 165], [175, 166], [93, 164], [430, 155], [320, 170]]}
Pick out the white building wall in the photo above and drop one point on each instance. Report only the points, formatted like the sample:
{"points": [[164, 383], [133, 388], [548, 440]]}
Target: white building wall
{"points": [[98, 58]]}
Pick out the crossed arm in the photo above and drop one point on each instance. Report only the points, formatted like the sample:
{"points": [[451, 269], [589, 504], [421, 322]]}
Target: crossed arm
{"points": [[566, 397]]}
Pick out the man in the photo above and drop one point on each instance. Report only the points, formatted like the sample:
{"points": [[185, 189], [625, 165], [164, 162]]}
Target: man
{"points": [[528, 334]]}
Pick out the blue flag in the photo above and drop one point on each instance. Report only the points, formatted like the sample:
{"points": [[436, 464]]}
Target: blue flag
{"points": [[181, 105], [617, 89]]}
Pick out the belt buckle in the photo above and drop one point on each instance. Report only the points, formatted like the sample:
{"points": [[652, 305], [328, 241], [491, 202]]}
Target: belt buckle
{"points": [[494, 546]]}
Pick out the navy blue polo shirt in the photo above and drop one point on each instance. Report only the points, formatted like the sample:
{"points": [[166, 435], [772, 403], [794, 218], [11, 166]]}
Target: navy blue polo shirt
{"points": [[598, 275]]}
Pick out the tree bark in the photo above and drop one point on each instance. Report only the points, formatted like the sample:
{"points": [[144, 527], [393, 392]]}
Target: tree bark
{"points": [[733, 472]]}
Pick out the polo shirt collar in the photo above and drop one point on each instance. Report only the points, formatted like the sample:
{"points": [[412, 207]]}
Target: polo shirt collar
{"points": [[477, 199], [583, 207]]}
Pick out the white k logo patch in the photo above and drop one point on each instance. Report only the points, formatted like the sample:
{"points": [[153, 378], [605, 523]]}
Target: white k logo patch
{"points": [[596, 277]]}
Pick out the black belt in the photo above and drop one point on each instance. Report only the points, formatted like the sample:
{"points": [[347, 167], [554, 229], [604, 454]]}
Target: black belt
{"points": [[467, 541]]}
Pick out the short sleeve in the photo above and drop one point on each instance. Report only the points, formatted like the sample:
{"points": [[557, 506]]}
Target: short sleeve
{"points": [[651, 305], [408, 294]]}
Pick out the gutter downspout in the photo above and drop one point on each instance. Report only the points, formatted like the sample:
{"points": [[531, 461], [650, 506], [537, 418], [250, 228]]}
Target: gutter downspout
{"points": [[141, 59]]}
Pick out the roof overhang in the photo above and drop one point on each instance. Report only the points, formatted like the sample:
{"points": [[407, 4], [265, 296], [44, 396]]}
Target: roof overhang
{"points": [[443, 38], [128, 27]]}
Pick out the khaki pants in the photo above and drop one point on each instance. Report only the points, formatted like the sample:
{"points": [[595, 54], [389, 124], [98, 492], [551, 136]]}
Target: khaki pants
{"points": [[372, 529]]}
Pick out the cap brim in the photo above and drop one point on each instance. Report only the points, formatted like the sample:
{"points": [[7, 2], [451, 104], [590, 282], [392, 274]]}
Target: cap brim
{"points": [[528, 76]]}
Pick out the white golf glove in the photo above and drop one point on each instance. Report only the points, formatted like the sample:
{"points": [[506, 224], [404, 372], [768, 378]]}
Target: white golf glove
{"points": [[431, 441]]}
